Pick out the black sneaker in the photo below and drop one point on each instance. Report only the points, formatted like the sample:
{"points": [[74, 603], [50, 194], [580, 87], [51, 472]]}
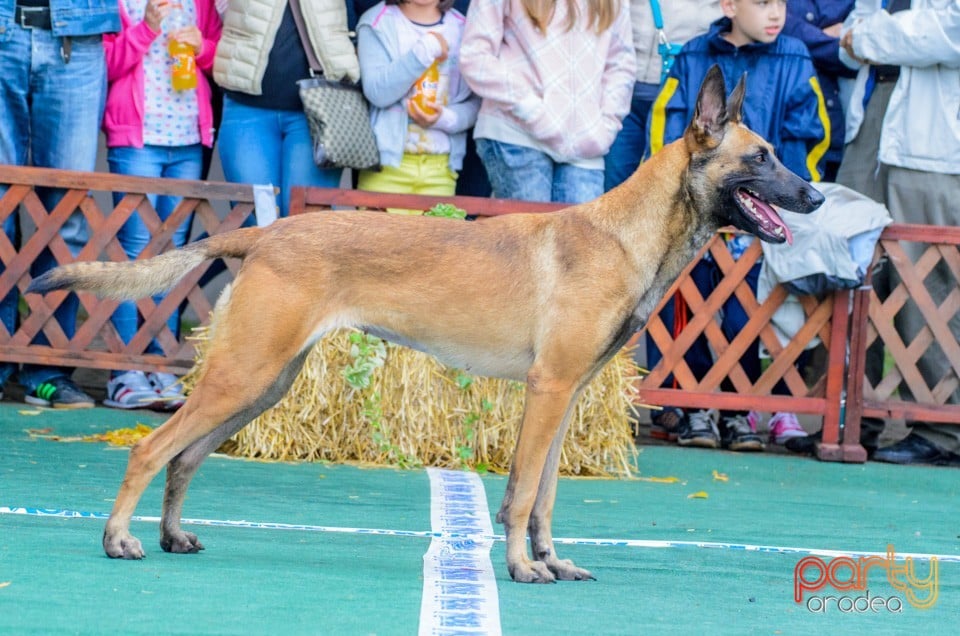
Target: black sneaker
{"points": [[740, 433], [59, 393], [700, 430], [667, 423]]}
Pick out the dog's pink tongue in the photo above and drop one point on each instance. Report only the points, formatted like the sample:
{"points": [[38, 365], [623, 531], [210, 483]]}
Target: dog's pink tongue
{"points": [[769, 219]]}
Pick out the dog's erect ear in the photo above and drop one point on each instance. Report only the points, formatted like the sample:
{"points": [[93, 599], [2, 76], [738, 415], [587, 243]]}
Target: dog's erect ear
{"points": [[710, 115], [735, 103]]}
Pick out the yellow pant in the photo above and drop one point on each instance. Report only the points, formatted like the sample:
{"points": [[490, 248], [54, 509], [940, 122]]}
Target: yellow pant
{"points": [[416, 174]]}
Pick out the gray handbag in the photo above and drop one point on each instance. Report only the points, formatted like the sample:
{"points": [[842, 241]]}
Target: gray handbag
{"points": [[338, 115]]}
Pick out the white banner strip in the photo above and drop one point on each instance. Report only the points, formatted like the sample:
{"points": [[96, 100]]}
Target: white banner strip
{"points": [[459, 586]]}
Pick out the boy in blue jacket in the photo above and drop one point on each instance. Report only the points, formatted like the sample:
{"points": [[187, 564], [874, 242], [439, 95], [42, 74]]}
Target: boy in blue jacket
{"points": [[785, 105]]}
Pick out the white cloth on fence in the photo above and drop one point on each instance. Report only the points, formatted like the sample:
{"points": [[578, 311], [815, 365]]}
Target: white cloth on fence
{"points": [[265, 204], [832, 249]]}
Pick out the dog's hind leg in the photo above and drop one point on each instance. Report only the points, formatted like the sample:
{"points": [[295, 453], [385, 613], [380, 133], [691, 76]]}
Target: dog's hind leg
{"points": [[541, 518], [253, 344], [182, 468]]}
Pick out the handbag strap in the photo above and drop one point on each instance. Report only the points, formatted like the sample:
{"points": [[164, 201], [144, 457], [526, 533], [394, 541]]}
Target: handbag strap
{"points": [[315, 67]]}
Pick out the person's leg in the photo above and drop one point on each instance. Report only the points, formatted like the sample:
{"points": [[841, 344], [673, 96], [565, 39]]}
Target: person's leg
{"points": [[626, 152], [15, 58], [416, 174], [297, 166], [179, 162], [435, 177], [133, 235], [699, 428], [861, 170], [928, 198], [473, 179], [394, 179], [516, 172], [250, 144], [66, 107], [576, 185]]}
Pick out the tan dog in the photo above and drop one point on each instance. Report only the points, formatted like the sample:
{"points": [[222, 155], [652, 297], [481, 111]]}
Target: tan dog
{"points": [[541, 298]]}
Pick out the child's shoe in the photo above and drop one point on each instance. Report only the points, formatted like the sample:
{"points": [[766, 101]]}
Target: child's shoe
{"points": [[667, 423], [130, 390], [740, 432], [169, 389], [700, 429], [784, 426]]}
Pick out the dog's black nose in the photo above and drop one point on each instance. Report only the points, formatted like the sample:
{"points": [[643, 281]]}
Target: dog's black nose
{"points": [[812, 197]]}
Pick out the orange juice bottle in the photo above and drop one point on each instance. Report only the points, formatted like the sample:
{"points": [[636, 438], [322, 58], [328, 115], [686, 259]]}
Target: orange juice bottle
{"points": [[184, 74], [426, 87]]}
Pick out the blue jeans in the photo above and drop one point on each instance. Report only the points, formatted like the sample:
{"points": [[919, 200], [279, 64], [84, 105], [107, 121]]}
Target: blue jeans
{"points": [[259, 146], [627, 150], [171, 162], [63, 104], [518, 172]]}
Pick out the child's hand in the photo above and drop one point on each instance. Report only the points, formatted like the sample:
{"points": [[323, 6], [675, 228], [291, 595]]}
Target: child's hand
{"points": [[444, 47], [422, 118], [155, 13], [191, 36]]}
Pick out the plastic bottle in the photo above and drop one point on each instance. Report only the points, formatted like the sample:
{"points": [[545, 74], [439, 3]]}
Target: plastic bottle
{"points": [[184, 73], [425, 89]]}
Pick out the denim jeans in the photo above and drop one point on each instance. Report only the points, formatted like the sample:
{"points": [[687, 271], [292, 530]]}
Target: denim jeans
{"points": [[62, 103], [518, 172], [627, 150], [172, 162], [259, 145]]}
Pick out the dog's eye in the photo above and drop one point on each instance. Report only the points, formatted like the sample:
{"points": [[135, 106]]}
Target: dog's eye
{"points": [[761, 157]]}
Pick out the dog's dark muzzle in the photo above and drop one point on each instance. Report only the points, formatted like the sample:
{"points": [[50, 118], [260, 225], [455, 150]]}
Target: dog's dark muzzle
{"points": [[810, 199]]}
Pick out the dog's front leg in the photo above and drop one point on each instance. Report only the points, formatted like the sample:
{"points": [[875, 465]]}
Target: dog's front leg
{"points": [[547, 401], [541, 533]]}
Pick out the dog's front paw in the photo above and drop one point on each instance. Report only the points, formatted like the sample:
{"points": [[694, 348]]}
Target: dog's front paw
{"points": [[565, 570], [122, 546], [180, 542], [527, 571]]}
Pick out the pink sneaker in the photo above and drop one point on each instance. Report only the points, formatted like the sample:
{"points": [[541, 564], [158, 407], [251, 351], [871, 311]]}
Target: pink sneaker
{"points": [[784, 426]]}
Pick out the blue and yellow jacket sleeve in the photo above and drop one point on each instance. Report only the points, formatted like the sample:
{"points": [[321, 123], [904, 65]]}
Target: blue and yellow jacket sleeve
{"points": [[805, 133]]}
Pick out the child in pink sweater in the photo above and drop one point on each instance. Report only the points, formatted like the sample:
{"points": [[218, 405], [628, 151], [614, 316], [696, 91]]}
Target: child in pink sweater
{"points": [[556, 79]]}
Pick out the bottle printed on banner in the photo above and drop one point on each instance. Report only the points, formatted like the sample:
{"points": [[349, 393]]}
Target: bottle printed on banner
{"points": [[184, 73]]}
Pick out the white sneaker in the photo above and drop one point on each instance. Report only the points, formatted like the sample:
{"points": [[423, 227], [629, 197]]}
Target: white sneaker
{"points": [[169, 390], [130, 390]]}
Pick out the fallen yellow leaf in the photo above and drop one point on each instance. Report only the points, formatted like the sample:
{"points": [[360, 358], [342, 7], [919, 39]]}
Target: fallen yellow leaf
{"points": [[121, 436], [698, 495], [31, 412], [717, 476], [660, 480], [5, 583]]}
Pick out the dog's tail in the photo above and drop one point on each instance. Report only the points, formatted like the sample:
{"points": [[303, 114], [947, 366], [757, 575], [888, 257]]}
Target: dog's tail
{"points": [[136, 279]]}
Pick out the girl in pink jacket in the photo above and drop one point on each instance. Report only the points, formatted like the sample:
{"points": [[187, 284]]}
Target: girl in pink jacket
{"points": [[154, 130]]}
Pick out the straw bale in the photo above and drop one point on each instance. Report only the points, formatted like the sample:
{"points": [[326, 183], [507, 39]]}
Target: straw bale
{"points": [[418, 412]]}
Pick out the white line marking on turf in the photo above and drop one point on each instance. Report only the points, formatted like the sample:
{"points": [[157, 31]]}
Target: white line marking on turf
{"points": [[459, 586], [622, 543]]}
